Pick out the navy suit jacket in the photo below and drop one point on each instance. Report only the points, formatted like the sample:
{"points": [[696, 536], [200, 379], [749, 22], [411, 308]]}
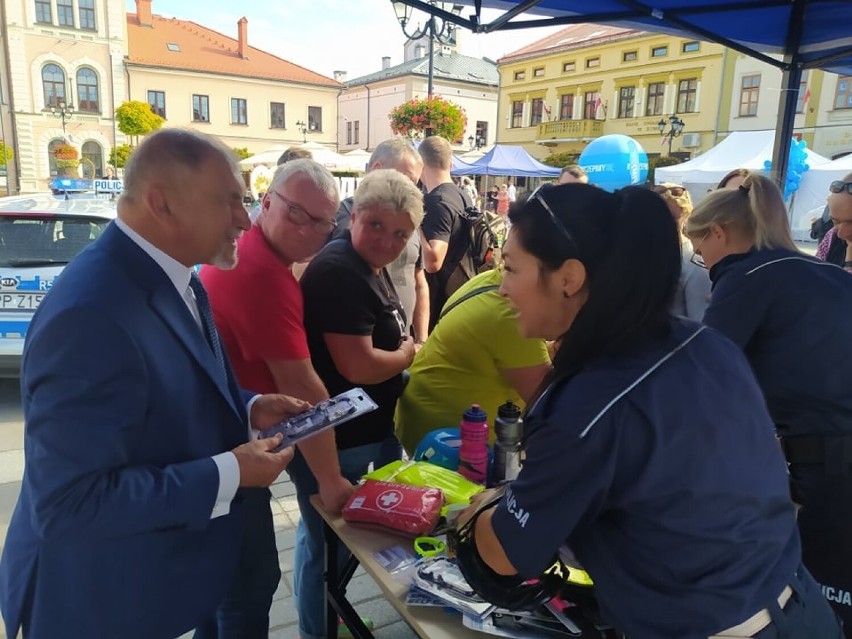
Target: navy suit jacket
{"points": [[123, 406]]}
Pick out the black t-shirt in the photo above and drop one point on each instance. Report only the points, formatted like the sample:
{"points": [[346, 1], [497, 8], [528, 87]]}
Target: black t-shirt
{"points": [[444, 206], [343, 295]]}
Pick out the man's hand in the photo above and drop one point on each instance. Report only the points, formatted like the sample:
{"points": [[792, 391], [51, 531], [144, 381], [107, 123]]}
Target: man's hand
{"points": [[259, 466], [270, 409], [334, 493]]}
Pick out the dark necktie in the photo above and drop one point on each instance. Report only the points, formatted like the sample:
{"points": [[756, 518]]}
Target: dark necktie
{"points": [[207, 323]]}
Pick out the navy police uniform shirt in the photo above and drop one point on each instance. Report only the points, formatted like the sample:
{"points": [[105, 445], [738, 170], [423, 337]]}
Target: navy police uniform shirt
{"points": [[790, 313], [660, 470]]}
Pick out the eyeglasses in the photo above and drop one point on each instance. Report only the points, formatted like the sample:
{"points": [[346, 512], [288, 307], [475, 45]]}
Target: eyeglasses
{"points": [[538, 196], [838, 186], [696, 258], [300, 216], [675, 191]]}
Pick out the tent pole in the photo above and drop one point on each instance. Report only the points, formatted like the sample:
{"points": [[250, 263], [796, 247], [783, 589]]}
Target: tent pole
{"points": [[790, 80], [786, 117]]}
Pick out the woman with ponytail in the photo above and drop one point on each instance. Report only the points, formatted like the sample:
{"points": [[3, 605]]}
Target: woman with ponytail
{"points": [[790, 314], [649, 451]]}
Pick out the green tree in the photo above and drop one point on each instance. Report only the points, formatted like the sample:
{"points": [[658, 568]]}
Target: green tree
{"points": [[242, 152], [136, 118], [119, 155], [561, 159], [6, 154], [660, 160], [445, 118]]}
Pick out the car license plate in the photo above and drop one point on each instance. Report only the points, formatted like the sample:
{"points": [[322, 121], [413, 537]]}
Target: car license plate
{"points": [[13, 301]]}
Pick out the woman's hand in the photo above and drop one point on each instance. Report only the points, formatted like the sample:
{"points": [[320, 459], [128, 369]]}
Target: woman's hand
{"points": [[408, 348], [476, 502]]}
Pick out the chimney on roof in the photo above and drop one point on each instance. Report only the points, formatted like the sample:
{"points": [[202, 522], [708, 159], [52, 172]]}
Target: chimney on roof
{"points": [[143, 13], [340, 76], [242, 36], [385, 62]]}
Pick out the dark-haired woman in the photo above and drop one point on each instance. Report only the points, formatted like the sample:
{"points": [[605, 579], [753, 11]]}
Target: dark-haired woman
{"points": [[790, 314], [649, 452]]}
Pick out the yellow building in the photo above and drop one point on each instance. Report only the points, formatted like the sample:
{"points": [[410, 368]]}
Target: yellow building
{"points": [[199, 78], [589, 80], [62, 77]]}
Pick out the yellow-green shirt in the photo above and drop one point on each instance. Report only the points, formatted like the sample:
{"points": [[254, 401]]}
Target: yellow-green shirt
{"points": [[461, 362]]}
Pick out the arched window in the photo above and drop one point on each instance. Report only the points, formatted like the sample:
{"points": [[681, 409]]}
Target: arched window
{"points": [[93, 152], [87, 90], [53, 79], [55, 142]]}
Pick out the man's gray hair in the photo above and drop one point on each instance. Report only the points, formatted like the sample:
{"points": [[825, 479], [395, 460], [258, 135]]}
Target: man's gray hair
{"points": [[391, 152], [311, 169], [167, 149]]}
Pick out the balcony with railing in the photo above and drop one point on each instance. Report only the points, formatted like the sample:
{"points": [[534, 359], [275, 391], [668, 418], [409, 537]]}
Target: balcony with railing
{"points": [[569, 130]]}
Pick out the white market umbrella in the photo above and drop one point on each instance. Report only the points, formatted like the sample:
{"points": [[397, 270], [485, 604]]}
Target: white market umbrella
{"points": [[269, 157]]}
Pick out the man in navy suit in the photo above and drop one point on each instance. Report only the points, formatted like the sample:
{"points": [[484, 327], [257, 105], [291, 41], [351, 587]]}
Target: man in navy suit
{"points": [[138, 459]]}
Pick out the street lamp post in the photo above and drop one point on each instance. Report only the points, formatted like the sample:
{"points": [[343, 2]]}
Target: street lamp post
{"points": [[475, 143], [62, 110], [440, 30], [675, 125], [303, 129]]}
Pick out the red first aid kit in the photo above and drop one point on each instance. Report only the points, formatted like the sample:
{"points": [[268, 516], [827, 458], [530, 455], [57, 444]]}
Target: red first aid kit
{"points": [[398, 508]]}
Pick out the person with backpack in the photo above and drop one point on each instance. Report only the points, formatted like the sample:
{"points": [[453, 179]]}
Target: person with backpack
{"points": [[445, 234]]}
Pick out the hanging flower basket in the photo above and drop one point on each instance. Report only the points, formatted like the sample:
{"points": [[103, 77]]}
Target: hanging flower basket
{"points": [[412, 118], [66, 152]]}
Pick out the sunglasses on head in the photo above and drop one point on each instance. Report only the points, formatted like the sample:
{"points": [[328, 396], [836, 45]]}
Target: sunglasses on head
{"points": [[538, 195], [838, 186], [675, 191]]}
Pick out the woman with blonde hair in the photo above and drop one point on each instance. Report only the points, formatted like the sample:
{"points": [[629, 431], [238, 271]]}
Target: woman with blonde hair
{"points": [[789, 313]]}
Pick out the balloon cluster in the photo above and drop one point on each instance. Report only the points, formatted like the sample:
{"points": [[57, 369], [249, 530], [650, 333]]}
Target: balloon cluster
{"points": [[796, 166]]}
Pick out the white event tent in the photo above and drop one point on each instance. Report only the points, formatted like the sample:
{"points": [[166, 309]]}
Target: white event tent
{"points": [[320, 153], [814, 189], [747, 150]]}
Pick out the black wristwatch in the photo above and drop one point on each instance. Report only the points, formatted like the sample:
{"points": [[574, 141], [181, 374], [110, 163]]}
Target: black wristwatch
{"points": [[847, 264]]}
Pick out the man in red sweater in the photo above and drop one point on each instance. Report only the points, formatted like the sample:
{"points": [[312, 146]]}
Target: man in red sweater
{"points": [[258, 309]]}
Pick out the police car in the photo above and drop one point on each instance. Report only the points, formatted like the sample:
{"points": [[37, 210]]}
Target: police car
{"points": [[39, 235]]}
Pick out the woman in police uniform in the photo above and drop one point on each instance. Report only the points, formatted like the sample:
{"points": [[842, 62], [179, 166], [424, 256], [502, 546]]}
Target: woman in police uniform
{"points": [[790, 314], [649, 452]]}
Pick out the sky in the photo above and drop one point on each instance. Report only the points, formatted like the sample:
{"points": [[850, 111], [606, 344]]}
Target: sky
{"points": [[330, 35]]}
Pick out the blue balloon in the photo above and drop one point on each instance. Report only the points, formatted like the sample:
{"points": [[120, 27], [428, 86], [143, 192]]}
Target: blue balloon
{"points": [[767, 164], [614, 161], [794, 187]]}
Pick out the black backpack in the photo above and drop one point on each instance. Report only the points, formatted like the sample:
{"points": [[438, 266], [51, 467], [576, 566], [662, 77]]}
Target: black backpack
{"points": [[486, 233]]}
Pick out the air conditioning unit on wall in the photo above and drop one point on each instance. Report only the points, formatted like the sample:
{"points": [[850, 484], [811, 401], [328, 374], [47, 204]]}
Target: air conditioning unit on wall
{"points": [[690, 140]]}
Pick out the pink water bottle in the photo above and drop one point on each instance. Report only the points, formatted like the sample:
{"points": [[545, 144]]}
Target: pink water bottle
{"points": [[473, 455]]}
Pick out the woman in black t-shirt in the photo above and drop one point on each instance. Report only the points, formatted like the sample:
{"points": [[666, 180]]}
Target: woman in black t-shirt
{"points": [[355, 323]]}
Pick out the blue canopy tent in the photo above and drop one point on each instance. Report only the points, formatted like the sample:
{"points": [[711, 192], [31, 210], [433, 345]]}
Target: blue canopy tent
{"points": [[808, 34], [460, 167], [509, 160]]}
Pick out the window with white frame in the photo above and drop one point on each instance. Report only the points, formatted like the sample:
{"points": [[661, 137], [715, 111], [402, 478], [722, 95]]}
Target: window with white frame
{"points": [[239, 111], [87, 90], [53, 81]]}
